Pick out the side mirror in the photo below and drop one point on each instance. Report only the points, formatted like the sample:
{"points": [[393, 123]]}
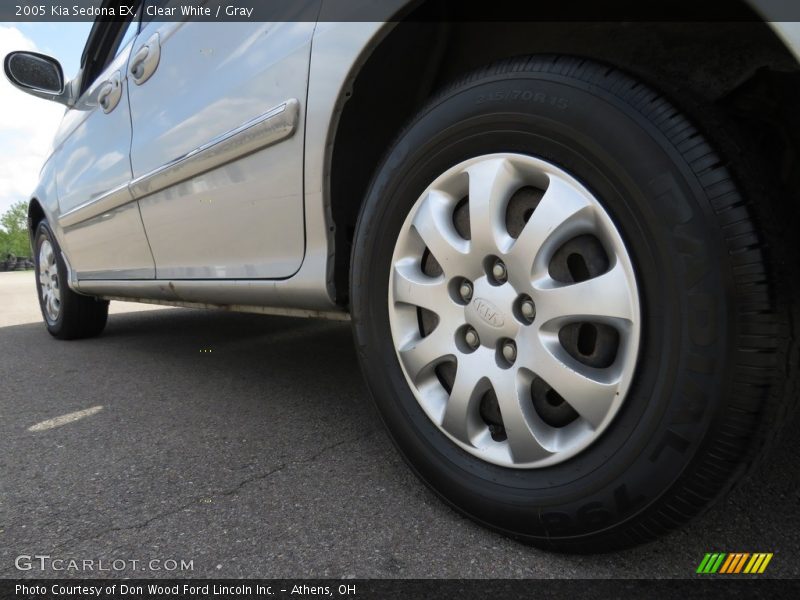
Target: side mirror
{"points": [[38, 75]]}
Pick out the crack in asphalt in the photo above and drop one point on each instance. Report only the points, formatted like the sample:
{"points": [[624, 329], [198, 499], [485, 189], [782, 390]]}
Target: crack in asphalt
{"points": [[224, 493]]}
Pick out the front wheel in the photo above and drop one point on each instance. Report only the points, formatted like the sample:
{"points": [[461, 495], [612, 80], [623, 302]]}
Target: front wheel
{"points": [[554, 309], [66, 314]]}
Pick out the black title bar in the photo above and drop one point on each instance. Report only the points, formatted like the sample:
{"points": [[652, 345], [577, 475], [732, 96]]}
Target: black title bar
{"points": [[396, 10]]}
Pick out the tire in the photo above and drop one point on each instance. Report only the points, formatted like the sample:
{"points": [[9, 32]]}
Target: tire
{"points": [[711, 373], [70, 316]]}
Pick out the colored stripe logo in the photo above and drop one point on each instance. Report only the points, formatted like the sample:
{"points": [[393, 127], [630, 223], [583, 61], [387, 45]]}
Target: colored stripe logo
{"points": [[734, 563]]}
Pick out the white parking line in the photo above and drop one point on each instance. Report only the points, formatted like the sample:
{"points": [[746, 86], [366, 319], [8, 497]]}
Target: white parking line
{"points": [[64, 419]]}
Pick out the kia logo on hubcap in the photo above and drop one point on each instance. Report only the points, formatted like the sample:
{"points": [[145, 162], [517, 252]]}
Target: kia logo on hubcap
{"points": [[488, 312]]}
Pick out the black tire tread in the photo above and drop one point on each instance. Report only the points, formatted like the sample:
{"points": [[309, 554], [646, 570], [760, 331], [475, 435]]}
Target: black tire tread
{"points": [[765, 348], [81, 316]]}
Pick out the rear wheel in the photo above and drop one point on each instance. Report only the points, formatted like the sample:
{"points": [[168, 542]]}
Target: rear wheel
{"points": [[66, 314], [556, 311]]}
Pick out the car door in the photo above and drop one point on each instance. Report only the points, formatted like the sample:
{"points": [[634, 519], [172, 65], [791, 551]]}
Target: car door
{"points": [[217, 110], [102, 231]]}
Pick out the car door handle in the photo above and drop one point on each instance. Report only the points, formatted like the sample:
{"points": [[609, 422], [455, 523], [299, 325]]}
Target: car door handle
{"points": [[145, 61], [110, 92]]}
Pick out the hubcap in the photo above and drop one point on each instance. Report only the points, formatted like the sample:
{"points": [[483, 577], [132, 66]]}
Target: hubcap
{"points": [[48, 281], [514, 310]]}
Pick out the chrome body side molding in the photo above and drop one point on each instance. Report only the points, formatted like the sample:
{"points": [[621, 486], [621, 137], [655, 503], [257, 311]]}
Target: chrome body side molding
{"points": [[277, 124], [96, 206], [273, 126]]}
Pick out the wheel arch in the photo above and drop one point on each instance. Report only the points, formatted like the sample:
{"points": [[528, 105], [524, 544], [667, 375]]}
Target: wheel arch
{"points": [[43, 206], [736, 67], [35, 216]]}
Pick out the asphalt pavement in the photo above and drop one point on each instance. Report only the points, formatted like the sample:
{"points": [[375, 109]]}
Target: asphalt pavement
{"points": [[248, 446]]}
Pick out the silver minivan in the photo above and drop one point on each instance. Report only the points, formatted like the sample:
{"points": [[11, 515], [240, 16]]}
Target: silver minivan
{"points": [[567, 248]]}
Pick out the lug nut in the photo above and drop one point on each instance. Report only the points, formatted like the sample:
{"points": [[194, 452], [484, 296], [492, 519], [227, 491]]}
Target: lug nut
{"points": [[528, 309], [499, 271], [471, 338], [509, 350], [465, 290]]}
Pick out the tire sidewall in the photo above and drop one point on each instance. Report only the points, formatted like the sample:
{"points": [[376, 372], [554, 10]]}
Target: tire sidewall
{"points": [[43, 233], [665, 217]]}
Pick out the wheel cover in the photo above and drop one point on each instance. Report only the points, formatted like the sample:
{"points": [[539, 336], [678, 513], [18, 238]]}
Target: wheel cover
{"points": [[49, 284], [501, 305]]}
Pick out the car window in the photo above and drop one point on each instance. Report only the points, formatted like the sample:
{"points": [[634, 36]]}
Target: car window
{"points": [[106, 41], [131, 29]]}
